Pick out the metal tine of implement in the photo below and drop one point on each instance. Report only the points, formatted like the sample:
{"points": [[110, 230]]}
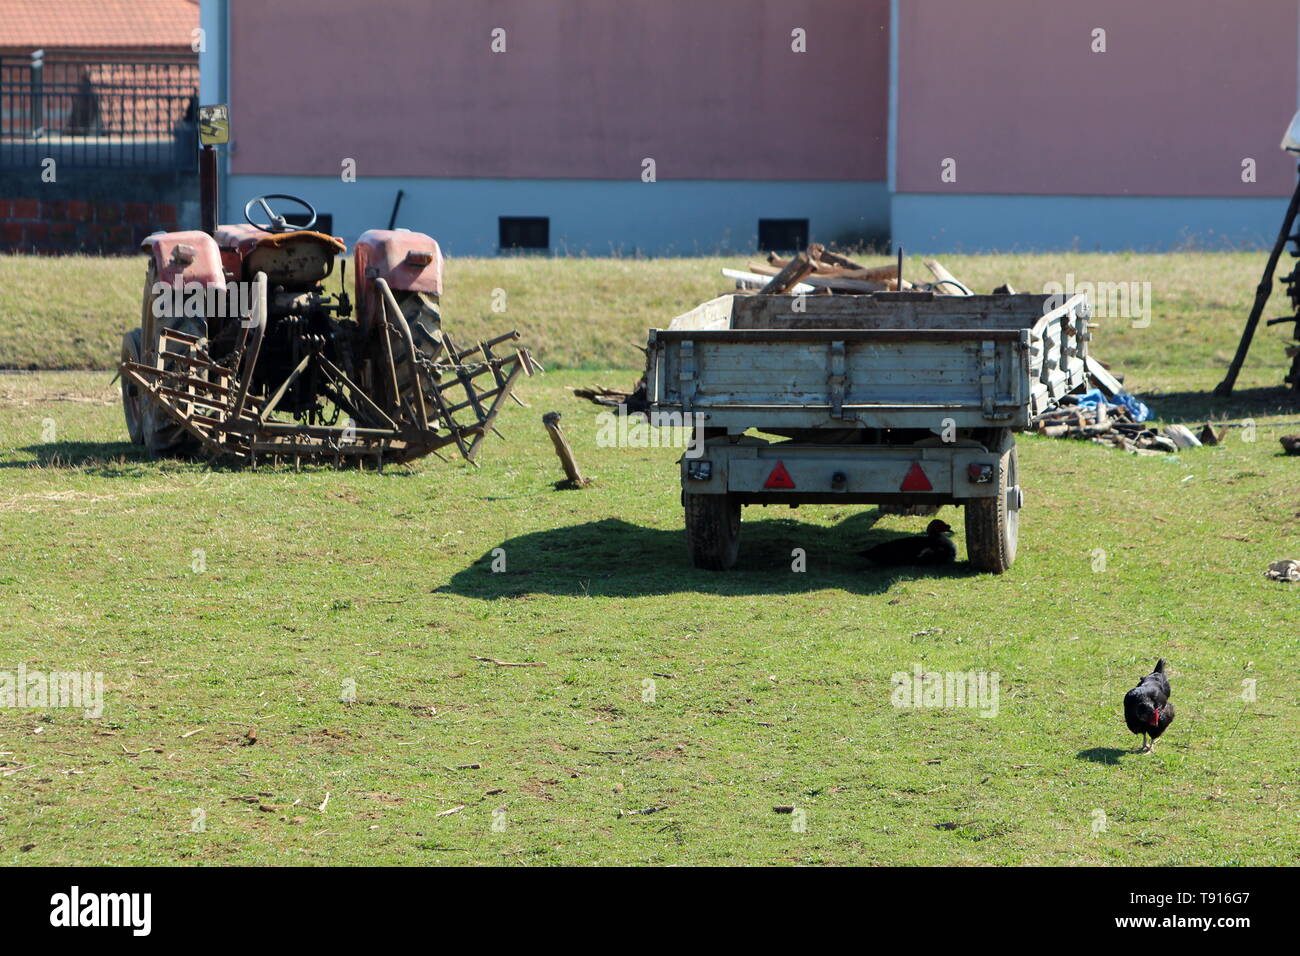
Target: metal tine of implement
{"points": [[399, 403], [200, 361], [493, 362], [505, 337], [472, 396], [178, 336], [259, 332], [274, 400], [486, 423], [334, 373], [451, 424], [492, 393], [404, 330], [460, 373], [496, 364]]}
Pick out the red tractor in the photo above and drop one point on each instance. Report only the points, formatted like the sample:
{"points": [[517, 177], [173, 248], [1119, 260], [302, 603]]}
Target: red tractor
{"points": [[242, 354]]}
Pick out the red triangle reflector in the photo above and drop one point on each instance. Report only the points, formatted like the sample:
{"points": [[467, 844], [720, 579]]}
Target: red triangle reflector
{"points": [[916, 480], [779, 478]]}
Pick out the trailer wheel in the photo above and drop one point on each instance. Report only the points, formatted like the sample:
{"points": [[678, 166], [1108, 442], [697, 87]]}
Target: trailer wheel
{"points": [[132, 400], [993, 524], [712, 530]]}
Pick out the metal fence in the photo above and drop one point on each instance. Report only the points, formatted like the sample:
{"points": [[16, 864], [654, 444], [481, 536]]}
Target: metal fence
{"points": [[91, 110]]}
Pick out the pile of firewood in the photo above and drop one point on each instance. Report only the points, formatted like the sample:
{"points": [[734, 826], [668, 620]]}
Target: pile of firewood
{"points": [[820, 271], [1113, 425]]}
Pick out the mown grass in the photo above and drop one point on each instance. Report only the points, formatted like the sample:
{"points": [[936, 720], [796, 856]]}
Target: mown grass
{"points": [[771, 687]]}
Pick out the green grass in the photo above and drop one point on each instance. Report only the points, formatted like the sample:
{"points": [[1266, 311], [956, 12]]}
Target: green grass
{"points": [[592, 313], [772, 687]]}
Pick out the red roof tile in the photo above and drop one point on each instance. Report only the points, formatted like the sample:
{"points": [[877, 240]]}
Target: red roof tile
{"points": [[88, 24]]}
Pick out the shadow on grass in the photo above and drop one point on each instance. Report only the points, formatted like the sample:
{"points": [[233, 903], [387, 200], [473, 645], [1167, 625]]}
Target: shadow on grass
{"points": [[1106, 755], [1197, 407], [614, 558], [107, 459], [123, 460]]}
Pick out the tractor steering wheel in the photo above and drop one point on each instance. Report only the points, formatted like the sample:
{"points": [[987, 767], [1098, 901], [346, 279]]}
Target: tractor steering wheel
{"points": [[276, 223]]}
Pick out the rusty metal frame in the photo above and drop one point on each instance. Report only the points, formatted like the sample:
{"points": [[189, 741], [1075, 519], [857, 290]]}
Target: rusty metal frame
{"points": [[216, 405]]}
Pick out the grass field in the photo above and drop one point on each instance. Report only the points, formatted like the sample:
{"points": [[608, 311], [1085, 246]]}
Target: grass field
{"points": [[217, 602]]}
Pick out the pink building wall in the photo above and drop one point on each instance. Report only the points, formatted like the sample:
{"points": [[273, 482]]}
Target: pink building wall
{"points": [[1011, 90], [587, 88]]}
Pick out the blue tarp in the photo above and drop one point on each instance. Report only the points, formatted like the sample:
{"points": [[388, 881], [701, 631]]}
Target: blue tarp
{"points": [[1093, 398]]}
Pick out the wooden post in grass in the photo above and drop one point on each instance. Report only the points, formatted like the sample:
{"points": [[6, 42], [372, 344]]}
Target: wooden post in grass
{"points": [[552, 422]]}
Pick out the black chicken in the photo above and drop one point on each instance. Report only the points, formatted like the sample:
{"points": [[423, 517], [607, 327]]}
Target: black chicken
{"points": [[933, 547], [1147, 710]]}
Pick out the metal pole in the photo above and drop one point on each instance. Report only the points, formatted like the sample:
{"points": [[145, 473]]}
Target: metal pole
{"points": [[208, 189], [397, 204], [38, 102], [1262, 291]]}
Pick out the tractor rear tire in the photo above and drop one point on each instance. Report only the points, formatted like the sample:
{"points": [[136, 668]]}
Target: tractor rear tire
{"points": [[163, 438], [157, 432], [993, 524], [132, 400], [712, 530]]}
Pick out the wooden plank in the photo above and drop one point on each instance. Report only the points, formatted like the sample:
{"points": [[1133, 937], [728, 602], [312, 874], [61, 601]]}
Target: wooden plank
{"points": [[835, 259], [841, 279], [946, 282], [1110, 386], [800, 266]]}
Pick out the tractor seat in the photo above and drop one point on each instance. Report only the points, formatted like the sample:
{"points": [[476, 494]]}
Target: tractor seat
{"points": [[294, 260], [243, 238]]}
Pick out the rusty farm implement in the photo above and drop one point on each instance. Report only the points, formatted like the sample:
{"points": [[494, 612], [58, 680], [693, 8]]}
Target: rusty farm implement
{"points": [[242, 355]]}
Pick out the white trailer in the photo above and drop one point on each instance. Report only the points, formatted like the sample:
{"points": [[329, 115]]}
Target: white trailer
{"points": [[906, 400]]}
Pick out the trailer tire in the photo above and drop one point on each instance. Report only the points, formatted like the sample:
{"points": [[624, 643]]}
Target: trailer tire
{"points": [[712, 530], [992, 525]]}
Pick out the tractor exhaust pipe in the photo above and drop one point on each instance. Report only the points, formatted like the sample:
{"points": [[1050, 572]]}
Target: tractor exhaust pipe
{"points": [[209, 187]]}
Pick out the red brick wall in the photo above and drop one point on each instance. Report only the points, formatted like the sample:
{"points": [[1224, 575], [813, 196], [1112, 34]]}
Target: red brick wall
{"points": [[60, 226]]}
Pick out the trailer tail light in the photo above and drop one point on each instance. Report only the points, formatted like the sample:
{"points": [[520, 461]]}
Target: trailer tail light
{"points": [[915, 480], [414, 258], [699, 469], [779, 478], [183, 254], [980, 474]]}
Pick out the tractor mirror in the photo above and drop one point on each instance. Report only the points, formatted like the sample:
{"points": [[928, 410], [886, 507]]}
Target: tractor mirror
{"points": [[214, 124]]}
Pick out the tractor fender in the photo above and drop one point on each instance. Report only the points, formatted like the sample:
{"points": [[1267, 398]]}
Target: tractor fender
{"points": [[386, 254], [192, 256]]}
